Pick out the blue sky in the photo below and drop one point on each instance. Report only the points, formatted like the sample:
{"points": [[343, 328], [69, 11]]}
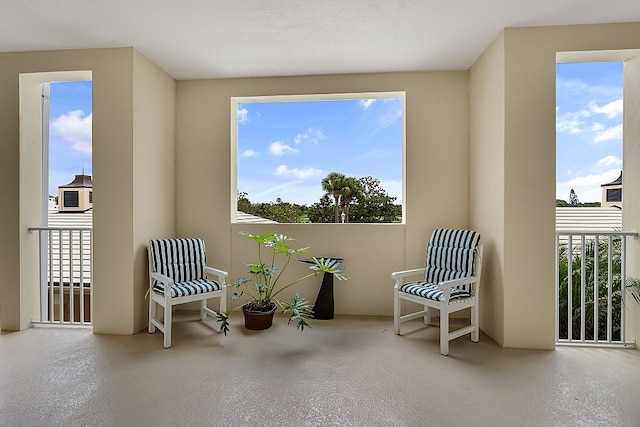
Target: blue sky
{"points": [[588, 128], [285, 149], [70, 118]]}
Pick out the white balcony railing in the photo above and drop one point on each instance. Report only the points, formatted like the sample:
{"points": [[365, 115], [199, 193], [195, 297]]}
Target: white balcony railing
{"points": [[66, 291], [590, 287]]}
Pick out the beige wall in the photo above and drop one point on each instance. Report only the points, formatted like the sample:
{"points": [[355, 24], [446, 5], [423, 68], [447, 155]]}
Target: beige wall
{"points": [[17, 301], [437, 190], [113, 165], [496, 121], [631, 171], [154, 172], [525, 272], [487, 172]]}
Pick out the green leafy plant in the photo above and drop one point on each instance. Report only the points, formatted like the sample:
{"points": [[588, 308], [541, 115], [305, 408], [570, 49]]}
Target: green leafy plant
{"points": [[262, 290], [595, 292], [633, 287]]}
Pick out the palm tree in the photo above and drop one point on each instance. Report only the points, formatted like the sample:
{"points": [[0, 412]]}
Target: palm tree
{"points": [[351, 189], [332, 184]]}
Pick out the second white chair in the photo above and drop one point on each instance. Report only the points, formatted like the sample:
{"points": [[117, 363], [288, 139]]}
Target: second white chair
{"points": [[450, 282]]}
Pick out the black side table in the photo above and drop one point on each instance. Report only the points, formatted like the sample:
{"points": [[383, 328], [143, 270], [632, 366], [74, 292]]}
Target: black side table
{"points": [[323, 308]]}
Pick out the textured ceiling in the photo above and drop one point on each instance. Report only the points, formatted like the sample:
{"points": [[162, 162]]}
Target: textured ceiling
{"points": [[193, 39]]}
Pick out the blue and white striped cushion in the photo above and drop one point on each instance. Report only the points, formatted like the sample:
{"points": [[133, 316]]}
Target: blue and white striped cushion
{"points": [[192, 287], [450, 255], [431, 291], [182, 260]]}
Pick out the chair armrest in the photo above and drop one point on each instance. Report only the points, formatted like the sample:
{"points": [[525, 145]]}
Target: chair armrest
{"points": [[450, 284], [216, 272], [161, 278], [399, 276], [407, 273]]}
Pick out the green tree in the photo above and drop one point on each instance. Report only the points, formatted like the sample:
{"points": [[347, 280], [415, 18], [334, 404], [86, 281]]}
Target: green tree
{"points": [[322, 212], [573, 198], [332, 184], [351, 189], [375, 205], [283, 212], [244, 205]]}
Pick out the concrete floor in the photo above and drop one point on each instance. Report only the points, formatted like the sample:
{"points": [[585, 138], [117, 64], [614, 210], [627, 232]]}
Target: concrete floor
{"points": [[350, 371]]}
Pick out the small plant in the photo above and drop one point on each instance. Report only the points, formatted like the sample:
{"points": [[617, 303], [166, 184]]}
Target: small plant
{"points": [[263, 288], [633, 287]]}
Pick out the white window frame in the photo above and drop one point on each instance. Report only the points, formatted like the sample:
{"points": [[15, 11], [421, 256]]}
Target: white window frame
{"points": [[236, 100]]}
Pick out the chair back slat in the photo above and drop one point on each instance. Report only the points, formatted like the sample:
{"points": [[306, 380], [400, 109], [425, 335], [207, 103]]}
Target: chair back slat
{"points": [[180, 259]]}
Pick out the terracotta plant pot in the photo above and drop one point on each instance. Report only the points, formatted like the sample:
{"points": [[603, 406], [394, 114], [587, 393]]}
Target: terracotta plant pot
{"points": [[256, 319]]}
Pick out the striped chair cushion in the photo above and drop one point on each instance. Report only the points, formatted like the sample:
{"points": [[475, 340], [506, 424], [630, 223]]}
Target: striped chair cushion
{"points": [[192, 287], [450, 255], [431, 291], [183, 260]]}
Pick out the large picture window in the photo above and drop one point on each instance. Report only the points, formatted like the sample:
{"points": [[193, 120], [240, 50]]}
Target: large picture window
{"points": [[318, 158]]}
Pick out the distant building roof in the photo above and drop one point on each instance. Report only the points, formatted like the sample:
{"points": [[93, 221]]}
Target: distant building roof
{"points": [[589, 219], [246, 218], [618, 181], [81, 180]]}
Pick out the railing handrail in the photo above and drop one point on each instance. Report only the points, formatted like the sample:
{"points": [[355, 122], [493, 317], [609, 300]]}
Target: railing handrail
{"points": [[597, 233], [596, 291], [66, 274], [32, 229]]}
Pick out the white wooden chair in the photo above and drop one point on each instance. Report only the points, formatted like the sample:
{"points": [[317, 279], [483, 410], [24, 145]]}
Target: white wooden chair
{"points": [[180, 265], [450, 282]]}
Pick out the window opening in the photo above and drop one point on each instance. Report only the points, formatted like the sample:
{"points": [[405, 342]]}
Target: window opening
{"points": [[318, 158]]}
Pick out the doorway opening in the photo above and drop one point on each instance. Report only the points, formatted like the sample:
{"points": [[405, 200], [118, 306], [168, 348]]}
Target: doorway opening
{"points": [[591, 246], [56, 197]]}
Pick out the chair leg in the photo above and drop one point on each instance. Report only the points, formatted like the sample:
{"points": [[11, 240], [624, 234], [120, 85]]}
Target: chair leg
{"points": [[167, 325], [396, 313], [475, 334], [223, 302], [444, 332], [427, 317], [203, 313], [152, 314]]}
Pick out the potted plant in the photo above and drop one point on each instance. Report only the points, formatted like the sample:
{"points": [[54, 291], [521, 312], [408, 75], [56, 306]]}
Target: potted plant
{"points": [[263, 289]]}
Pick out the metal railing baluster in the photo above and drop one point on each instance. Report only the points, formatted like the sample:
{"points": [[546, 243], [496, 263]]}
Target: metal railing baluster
{"points": [[67, 260], [578, 260]]}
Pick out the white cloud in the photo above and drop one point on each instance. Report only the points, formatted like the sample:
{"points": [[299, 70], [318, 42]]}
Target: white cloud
{"points": [[609, 161], [609, 134], [312, 134], [74, 127], [243, 115], [277, 148], [250, 153], [583, 91], [611, 110], [299, 139], [572, 122], [301, 174], [587, 187], [366, 103]]}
